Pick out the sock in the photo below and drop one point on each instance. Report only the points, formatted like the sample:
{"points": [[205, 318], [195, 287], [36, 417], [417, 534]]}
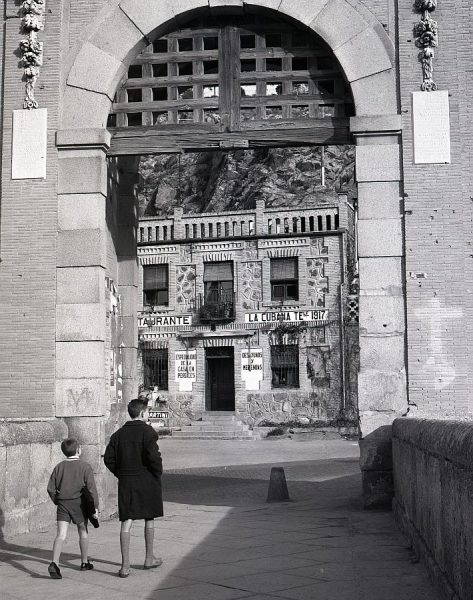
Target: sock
{"points": [[125, 548]]}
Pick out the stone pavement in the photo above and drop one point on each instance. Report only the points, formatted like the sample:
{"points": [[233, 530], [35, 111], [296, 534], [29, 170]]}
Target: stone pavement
{"points": [[221, 541]]}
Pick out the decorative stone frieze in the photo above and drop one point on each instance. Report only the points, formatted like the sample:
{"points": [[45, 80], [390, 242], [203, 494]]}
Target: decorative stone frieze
{"points": [[185, 285], [252, 285], [317, 283], [32, 21], [426, 33]]}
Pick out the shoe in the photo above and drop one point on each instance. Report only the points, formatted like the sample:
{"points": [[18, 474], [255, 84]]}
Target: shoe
{"points": [[94, 521], [123, 573], [156, 562], [87, 566], [54, 571]]}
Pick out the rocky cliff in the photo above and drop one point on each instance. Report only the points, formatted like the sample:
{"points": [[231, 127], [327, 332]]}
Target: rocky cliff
{"points": [[220, 181]]}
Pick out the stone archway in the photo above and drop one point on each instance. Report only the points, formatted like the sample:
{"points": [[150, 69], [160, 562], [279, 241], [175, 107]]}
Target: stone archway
{"points": [[366, 54]]}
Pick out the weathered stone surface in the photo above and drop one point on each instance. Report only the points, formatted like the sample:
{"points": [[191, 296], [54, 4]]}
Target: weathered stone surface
{"points": [[382, 315], [376, 94], [123, 47], [87, 430], [363, 55], [382, 392], [376, 450], [379, 200], [80, 322], [76, 285], [40, 432], [81, 248], [42, 463], [84, 109], [378, 489], [96, 70], [80, 397], [433, 487], [376, 123], [337, 23], [381, 274], [92, 453], [82, 173], [18, 475], [304, 10], [80, 360], [81, 211], [378, 162], [382, 237]]}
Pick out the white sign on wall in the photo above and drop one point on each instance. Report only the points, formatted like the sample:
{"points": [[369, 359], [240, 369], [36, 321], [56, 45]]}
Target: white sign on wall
{"points": [[185, 369], [164, 320], [431, 122], [29, 144], [252, 367], [286, 316]]}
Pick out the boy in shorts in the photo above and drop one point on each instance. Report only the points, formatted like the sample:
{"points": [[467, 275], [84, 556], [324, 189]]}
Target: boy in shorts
{"points": [[64, 487]]}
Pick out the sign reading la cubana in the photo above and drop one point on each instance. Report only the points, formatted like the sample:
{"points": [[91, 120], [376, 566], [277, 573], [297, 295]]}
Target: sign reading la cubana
{"points": [[286, 316], [164, 320]]}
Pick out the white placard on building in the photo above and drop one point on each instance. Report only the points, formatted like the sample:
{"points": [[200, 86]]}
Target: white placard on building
{"points": [[164, 320], [286, 316], [252, 367], [185, 369], [29, 144], [431, 123]]}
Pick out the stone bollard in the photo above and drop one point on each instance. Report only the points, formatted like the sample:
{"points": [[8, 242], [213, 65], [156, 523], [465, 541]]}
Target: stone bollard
{"points": [[277, 490]]}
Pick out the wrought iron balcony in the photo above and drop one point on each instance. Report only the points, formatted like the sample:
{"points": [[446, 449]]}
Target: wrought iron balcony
{"points": [[216, 308]]}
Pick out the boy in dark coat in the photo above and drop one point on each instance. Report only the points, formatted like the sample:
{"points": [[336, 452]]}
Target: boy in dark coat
{"points": [[133, 456]]}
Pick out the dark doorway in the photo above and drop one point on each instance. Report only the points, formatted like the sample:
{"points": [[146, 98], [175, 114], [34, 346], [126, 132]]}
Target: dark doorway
{"points": [[220, 379]]}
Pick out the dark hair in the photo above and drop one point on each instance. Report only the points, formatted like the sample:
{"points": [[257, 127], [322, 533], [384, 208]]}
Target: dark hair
{"points": [[69, 446], [135, 406]]}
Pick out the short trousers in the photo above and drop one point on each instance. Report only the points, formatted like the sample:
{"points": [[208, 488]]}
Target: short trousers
{"points": [[70, 510]]}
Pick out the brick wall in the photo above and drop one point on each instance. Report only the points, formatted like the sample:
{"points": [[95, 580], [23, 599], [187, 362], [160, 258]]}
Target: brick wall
{"points": [[438, 217], [28, 239]]}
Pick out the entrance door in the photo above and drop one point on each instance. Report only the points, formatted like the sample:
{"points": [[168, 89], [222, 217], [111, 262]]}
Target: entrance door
{"points": [[220, 379]]}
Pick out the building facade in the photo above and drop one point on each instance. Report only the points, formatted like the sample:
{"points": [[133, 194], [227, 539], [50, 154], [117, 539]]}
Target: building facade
{"points": [[247, 312]]}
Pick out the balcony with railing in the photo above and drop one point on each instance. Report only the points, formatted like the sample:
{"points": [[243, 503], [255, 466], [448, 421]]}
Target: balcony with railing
{"points": [[216, 308], [245, 223]]}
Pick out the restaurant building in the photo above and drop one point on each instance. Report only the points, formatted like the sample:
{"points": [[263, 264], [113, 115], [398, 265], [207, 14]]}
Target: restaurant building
{"points": [[249, 312]]}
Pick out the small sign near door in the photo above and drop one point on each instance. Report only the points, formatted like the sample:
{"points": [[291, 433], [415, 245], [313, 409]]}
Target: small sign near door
{"points": [[186, 369], [252, 367]]}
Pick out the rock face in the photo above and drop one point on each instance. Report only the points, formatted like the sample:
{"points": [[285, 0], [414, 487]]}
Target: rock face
{"points": [[222, 181]]}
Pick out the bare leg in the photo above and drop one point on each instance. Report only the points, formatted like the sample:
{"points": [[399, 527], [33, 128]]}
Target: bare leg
{"points": [[83, 542], [59, 540], [150, 561], [125, 545]]}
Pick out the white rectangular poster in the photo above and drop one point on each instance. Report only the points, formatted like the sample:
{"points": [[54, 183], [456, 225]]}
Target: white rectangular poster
{"points": [[185, 369], [29, 144], [431, 123], [252, 367]]}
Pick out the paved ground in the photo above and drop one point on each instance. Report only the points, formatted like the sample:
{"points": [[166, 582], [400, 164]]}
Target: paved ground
{"points": [[220, 540]]}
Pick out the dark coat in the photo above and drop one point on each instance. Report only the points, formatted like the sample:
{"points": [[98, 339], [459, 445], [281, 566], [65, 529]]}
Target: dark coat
{"points": [[133, 456]]}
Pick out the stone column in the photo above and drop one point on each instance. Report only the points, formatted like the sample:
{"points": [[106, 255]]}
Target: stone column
{"points": [[382, 390], [81, 381]]}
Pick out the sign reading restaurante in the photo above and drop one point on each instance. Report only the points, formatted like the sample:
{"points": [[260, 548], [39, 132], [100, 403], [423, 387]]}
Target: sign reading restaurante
{"points": [[286, 316], [164, 320]]}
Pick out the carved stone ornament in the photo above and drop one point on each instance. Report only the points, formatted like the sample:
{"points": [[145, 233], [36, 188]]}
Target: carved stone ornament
{"points": [[426, 34], [31, 48]]}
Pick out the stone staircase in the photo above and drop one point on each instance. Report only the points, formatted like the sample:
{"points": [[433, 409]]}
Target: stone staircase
{"points": [[215, 426]]}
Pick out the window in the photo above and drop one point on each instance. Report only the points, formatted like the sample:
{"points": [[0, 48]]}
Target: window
{"points": [[218, 282], [285, 366], [217, 303], [156, 368], [284, 279], [155, 285]]}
